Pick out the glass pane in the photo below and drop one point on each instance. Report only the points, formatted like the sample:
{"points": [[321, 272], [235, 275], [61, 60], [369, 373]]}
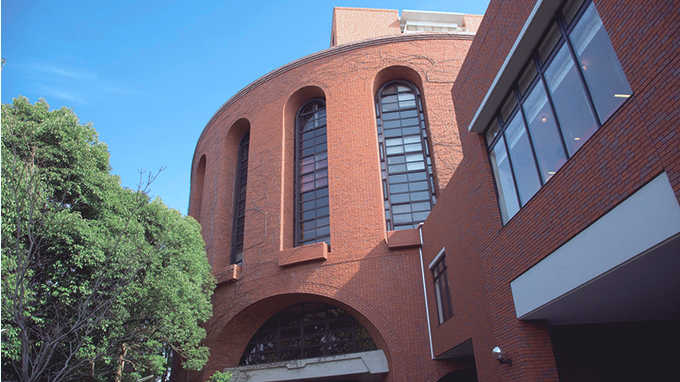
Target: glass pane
{"points": [[422, 206], [508, 106], [570, 10], [522, 159], [573, 112], [492, 131], [393, 141], [507, 196], [544, 133], [402, 208], [418, 186], [606, 81], [412, 139], [407, 104], [549, 43], [414, 157], [406, 96], [394, 150], [413, 147], [527, 78], [413, 166], [396, 159]]}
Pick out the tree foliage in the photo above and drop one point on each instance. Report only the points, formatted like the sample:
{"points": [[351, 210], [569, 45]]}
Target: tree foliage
{"points": [[99, 282]]}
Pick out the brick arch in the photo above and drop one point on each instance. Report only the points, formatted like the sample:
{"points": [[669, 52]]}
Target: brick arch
{"points": [[397, 72], [241, 327], [293, 104]]}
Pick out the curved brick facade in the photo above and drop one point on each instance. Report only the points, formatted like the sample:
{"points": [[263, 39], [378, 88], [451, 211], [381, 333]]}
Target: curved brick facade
{"points": [[361, 274]]}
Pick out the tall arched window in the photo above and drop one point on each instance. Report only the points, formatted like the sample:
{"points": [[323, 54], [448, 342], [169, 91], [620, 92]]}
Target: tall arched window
{"points": [[312, 223], [408, 185], [240, 201]]}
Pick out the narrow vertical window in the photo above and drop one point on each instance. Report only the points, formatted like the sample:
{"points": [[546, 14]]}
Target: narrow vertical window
{"points": [[312, 222], [408, 184], [441, 290], [240, 186]]}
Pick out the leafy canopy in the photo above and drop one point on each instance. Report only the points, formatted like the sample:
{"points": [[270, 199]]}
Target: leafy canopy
{"points": [[98, 281]]}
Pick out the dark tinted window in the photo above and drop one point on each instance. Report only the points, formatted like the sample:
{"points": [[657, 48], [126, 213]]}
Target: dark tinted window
{"points": [[312, 223], [408, 185]]}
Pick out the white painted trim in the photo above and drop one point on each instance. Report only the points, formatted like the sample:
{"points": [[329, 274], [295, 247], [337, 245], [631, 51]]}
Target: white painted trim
{"points": [[648, 217], [422, 272], [438, 257], [370, 365]]}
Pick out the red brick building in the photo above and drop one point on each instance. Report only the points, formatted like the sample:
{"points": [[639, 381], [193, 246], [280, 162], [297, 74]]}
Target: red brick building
{"points": [[556, 230]]}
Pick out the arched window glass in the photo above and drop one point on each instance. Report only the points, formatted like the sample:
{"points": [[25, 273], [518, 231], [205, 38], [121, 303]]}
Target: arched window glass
{"points": [[408, 184], [240, 201], [312, 223], [308, 330]]}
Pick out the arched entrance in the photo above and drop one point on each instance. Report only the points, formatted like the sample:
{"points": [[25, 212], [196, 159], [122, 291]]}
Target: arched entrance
{"points": [[311, 341]]}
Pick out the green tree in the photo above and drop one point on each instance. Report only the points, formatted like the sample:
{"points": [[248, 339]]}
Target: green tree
{"points": [[99, 282]]}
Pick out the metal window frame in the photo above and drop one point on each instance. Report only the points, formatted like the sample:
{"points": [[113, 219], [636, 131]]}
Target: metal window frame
{"points": [[382, 151], [261, 348], [439, 270], [534, 59], [240, 185], [297, 175]]}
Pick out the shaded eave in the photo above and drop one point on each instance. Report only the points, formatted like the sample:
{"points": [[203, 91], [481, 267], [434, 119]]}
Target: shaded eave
{"points": [[531, 32]]}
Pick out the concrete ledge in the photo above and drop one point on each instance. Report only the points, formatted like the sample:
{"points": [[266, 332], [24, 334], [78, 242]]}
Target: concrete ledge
{"points": [[366, 366], [407, 238], [230, 273], [303, 254], [644, 220]]}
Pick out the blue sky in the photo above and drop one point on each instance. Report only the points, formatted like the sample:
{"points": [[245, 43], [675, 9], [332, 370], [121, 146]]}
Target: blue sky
{"points": [[150, 74]]}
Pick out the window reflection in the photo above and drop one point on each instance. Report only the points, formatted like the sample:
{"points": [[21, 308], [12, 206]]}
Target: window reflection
{"points": [[569, 97], [601, 67], [238, 224], [544, 132], [408, 187], [312, 222], [522, 158], [569, 87], [507, 196]]}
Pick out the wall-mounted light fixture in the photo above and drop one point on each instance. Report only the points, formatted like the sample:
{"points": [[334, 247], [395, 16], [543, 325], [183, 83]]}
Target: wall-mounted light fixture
{"points": [[502, 356]]}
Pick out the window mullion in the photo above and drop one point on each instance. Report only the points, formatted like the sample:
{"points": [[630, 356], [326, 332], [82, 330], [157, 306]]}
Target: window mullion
{"points": [[296, 177], [551, 103], [572, 52], [512, 168], [520, 105]]}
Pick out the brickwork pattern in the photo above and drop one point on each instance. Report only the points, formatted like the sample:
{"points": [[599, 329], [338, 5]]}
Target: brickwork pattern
{"points": [[635, 145], [356, 24], [360, 273]]}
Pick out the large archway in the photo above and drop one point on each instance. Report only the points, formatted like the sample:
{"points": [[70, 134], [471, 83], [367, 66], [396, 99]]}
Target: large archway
{"points": [[307, 330], [317, 339]]}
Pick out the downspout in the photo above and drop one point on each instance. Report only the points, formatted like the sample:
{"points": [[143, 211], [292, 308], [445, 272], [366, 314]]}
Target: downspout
{"points": [[422, 271]]}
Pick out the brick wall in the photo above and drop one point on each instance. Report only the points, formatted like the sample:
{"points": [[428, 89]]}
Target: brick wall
{"points": [[356, 24], [381, 287], [632, 147]]}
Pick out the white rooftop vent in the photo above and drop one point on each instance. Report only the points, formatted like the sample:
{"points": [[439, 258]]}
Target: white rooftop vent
{"points": [[424, 21]]}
